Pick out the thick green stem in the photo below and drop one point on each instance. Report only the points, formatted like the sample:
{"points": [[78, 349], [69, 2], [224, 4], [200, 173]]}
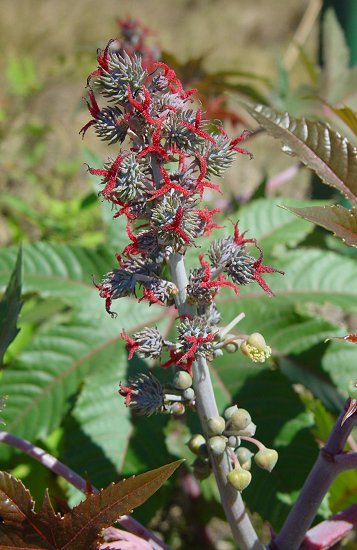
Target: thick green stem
{"points": [[232, 502]]}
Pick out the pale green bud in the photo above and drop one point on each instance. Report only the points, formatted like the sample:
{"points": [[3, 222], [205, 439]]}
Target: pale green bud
{"points": [[228, 412], [182, 380], [244, 456], [217, 444], [266, 459], [196, 442], [239, 479], [239, 420], [216, 425]]}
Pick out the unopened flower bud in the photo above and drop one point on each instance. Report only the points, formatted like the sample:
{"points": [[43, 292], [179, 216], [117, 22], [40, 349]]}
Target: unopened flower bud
{"points": [[188, 394], [217, 444], [216, 425], [239, 420], [196, 442], [228, 412], [256, 348], [249, 430], [182, 380], [201, 468], [266, 459], [231, 347], [234, 441], [244, 456], [239, 479], [177, 409]]}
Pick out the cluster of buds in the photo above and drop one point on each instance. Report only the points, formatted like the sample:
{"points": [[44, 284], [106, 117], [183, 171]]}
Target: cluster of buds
{"points": [[226, 434], [168, 155]]}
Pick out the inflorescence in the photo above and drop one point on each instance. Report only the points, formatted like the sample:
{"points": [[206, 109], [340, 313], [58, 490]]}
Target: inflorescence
{"points": [[168, 155]]}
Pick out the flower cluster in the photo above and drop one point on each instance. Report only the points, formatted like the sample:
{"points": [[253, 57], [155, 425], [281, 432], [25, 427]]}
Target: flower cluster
{"points": [[168, 155]]}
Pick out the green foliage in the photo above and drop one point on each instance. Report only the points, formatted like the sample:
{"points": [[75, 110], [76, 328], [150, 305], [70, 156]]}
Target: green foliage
{"points": [[335, 218], [79, 528], [72, 363], [10, 307]]}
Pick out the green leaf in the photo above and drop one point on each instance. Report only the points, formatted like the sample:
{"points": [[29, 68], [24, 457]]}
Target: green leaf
{"points": [[60, 271], [271, 226], [340, 363], [10, 307], [97, 434], [335, 57], [45, 377], [334, 218], [322, 149]]}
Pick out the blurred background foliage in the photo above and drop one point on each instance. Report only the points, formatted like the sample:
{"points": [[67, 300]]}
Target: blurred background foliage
{"points": [[61, 372]]}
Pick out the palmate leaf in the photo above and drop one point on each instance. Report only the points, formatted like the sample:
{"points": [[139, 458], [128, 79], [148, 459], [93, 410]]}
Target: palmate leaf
{"points": [[331, 156], [79, 528], [60, 271], [10, 307], [341, 221], [43, 380]]}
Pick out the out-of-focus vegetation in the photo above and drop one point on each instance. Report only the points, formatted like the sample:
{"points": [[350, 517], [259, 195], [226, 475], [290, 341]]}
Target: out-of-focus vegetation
{"points": [[62, 370]]}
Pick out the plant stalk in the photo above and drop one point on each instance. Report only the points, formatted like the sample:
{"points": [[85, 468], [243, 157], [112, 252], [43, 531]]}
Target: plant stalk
{"points": [[236, 514], [328, 465]]}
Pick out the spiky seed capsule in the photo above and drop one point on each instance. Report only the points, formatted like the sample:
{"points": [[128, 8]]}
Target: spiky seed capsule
{"points": [[201, 468], [234, 441], [239, 420], [266, 459], [182, 380], [217, 444], [196, 442], [228, 412], [188, 394], [239, 479], [244, 456], [216, 425]]}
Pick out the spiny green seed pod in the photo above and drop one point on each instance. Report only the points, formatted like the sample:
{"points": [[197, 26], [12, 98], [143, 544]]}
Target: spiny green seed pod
{"points": [[201, 468], [266, 459], [188, 394], [228, 412], [244, 456], [239, 479], [196, 442], [239, 420], [216, 425], [234, 441], [182, 380], [256, 348], [217, 444]]}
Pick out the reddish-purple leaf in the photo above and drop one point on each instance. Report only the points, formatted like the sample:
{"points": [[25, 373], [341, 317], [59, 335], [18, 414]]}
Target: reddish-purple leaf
{"points": [[330, 155], [78, 529], [335, 218]]}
